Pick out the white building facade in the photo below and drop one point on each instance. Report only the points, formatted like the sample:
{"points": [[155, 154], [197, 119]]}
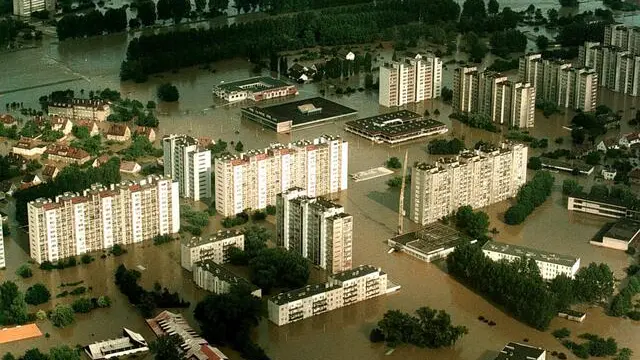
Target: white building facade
{"points": [[101, 217], [475, 178], [618, 68], [316, 229], [190, 164], [410, 81], [212, 276], [3, 261], [253, 179], [213, 248]]}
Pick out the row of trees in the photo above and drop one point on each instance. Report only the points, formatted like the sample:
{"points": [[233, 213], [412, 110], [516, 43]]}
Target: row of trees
{"points": [[71, 178], [621, 304], [62, 352], [92, 24], [530, 196], [519, 288], [444, 147], [126, 110]]}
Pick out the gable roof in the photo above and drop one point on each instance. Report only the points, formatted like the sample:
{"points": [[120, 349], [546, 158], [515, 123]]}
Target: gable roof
{"points": [[129, 166], [144, 130], [67, 151], [7, 119], [118, 130], [49, 170], [29, 178], [86, 123]]}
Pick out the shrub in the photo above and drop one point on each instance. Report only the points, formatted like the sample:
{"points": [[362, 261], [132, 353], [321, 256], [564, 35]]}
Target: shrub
{"points": [[561, 333], [271, 210], [118, 250], [37, 294], [24, 271], [78, 291], [82, 305], [62, 315], [86, 259], [168, 92]]}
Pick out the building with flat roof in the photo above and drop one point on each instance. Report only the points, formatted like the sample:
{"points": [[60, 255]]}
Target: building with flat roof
{"points": [[192, 346], [213, 248], [608, 207], [283, 118], [476, 178], [411, 80], [211, 276], [619, 235], [256, 88], [341, 289], [130, 343], [516, 351], [550, 264], [432, 242], [568, 166], [252, 180], [187, 161], [395, 127], [315, 228]]}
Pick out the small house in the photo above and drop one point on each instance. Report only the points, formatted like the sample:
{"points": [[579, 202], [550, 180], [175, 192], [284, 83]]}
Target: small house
{"points": [[609, 173], [119, 133], [31, 180], [29, 147], [8, 187], [100, 160], [61, 124], [130, 167], [629, 140], [147, 132], [7, 120], [607, 144], [67, 154], [91, 125], [50, 172], [634, 176]]}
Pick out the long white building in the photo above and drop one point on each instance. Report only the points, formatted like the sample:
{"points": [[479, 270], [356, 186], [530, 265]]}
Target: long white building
{"points": [[211, 276], [3, 261], [411, 80], [213, 248], [315, 228], [189, 163], [101, 217], [476, 178], [342, 289], [253, 179], [550, 264]]}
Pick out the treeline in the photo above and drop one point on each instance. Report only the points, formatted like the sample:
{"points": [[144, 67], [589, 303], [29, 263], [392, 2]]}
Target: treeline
{"points": [[92, 24], [146, 301], [55, 353], [444, 147], [71, 178], [518, 287], [476, 120], [530, 196], [151, 54], [280, 6], [622, 302]]}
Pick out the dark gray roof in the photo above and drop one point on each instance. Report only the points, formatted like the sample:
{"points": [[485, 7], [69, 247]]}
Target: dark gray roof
{"points": [[516, 351]]}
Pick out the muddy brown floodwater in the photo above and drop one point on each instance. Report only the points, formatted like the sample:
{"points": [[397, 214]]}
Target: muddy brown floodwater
{"points": [[91, 64]]}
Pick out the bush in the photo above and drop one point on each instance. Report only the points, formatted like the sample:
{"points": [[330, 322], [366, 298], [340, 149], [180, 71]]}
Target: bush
{"points": [[62, 315], [37, 294], [118, 250], [561, 333], [258, 215], [271, 210], [631, 250], [86, 259], [393, 163], [162, 239], [168, 92], [24, 271], [82, 305], [78, 291], [41, 314], [530, 196], [376, 335], [104, 301]]}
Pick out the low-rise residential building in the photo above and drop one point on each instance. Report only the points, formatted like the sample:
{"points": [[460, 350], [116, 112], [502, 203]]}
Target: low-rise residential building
{"points": [[50, 172], [214, 277], [29, 147], [130, 343], [604, 207], [516, 351], [634, 176], [91, 125], [609, 173], [130, 167], [550, 264], [8, 187], [119, 133], [8, 121], [31, 179], [213, 248], [67, 154], [62, 124], [301, 73], [76, 109], [192, 346], [432, 242], [341, 289], [630, 139], [256, 89], [568, 166], [147, 132], [607, 144], [620, 235], [100, 160]]}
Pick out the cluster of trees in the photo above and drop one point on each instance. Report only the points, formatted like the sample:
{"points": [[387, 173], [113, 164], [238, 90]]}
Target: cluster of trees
{"points": [[444, 147], [275, 6], [500, 65], [91, 24], [162, 239], [9, 132], [31, 129], [9, 30], [168, 92], [62, 352], [195, 220], [530, 196], [174, 9], [13, 308], [476, 120], [91, 144], [84, 305], [573, 31], [140, 147], [396, 181], [146, 301], [621, 304], [71, 178], [167, 347], [340, 67], [429, 328], [228, 319], [393, 163], [508, 41], [237, 220], [589, 125], [65, 263], [37, 294], [8, 169], [127, 110], [365, 23], [474, 224], [24, 271], [519, 288], [595, 346]]}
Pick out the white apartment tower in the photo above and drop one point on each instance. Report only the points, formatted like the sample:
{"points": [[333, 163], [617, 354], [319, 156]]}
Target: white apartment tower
{"points": [[27, 7], [494, 97], [477, 178], [3, 261], [465, 89], [617, 69], [623, 36], [410, 81], [253, 179], [316, 229], [101, 217], [530, 70], [190, 164], [523, 105]]}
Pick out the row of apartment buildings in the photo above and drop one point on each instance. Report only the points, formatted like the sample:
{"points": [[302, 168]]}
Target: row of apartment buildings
{"points": [[316, 229], [252, 180], [189, 163], [494, 95], [410, 80], [102, 216], [559, 82], [618, 69], [476, 178]]}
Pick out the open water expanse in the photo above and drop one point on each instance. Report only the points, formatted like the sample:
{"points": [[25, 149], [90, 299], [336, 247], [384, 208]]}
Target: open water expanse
{"points": [[94, 63]]}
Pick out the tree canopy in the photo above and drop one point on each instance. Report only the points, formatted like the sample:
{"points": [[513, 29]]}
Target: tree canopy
{"points": [[13, 308], [530, 196], [37, 294]]}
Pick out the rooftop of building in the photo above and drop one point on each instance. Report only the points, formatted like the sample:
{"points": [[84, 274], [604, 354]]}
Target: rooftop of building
{"points": [[118, 130], [218, 236], [7, 119], [624, 229], [29, 143], [516, 351], [325, 203], [556, 163], [181, 139], [97, 104], [254, 84], [278, 148], [302, 293], [431, 238], [67, 151], [302, 111], [394, 124], [535, 254], [485, 151], [129, 340], [360, 271], [223, 273]]}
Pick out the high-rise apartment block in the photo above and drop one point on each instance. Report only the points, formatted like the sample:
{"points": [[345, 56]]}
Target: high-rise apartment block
{"points": [[618, 69], [476, 178], [3, 261], [315, 228], [27, 7], [623, 36], [101, 217], [558, 82], [495, 96], [188, 163], [252, 180], [411, 80]]}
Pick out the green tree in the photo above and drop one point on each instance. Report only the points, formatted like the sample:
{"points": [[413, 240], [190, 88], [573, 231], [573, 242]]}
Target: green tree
{"points": [[393, 163], [180, 9], [24, 271], [82, 305], [534, 163], [430, 328], [594, 283], [37, 294], [34, 354], [493, 7], [624, 354], [278, 267], [474, 224], [167, 348], [64, 352], [168, 92], [8, 356], [147, 12], [571, 187], [164, 9], [62, 315], [13, 308], [200, 5], [593, 158], [569, 3], [542, 42], [80, 132], [562, 286], [561, 333], [239, 146]]}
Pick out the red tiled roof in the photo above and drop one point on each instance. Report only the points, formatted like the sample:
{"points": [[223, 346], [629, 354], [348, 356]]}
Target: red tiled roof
{"points": [[635, 173], [28, 143], [49, 170], [67, 151], [118, 130], [144, 130], [7, 119], [128, 166], [86, 123]]}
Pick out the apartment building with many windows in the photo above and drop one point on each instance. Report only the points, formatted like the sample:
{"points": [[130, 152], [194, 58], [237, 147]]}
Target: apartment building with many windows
{"points": [[618, 69], [466, 83], [342, 289], [550, 264], [623, 36], [102, 216], [211, 276], [410, 80], [27, 7], [214, 247], [189, 163], [252, 180], [476, 178], [315, 228]]}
